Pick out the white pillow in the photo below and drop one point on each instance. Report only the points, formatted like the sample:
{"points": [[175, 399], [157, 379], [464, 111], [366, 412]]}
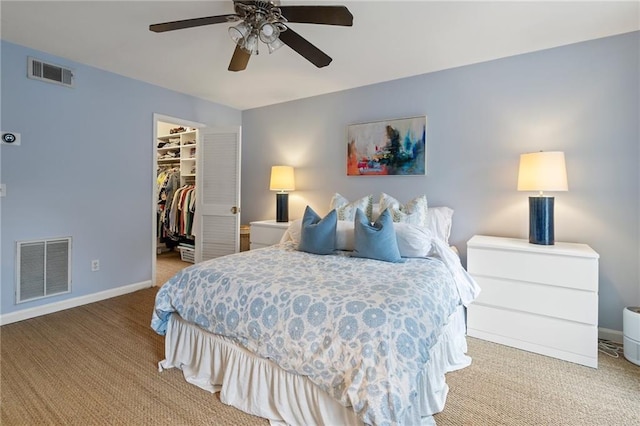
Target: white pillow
{"points": [[294, 231], [347, 210], [413, 241], [345, 235], [439, 222]]}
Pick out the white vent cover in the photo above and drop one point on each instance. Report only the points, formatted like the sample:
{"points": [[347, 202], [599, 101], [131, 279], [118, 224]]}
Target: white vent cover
{"points": [[40, 70], [43, 268]]}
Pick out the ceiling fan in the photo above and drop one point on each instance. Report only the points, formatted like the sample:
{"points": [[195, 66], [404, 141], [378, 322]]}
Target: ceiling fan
{"points": [[266, 21]]}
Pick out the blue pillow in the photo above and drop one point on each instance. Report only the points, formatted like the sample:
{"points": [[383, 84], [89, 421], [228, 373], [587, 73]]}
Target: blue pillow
{"points": [[318, 235], [377, 241]]}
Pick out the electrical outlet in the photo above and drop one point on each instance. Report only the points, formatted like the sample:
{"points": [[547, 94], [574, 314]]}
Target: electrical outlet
{"points": [[95, 265]]}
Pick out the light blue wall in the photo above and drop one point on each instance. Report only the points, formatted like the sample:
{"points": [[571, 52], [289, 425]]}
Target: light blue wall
{"points": [[84, 169], [581, 99]]}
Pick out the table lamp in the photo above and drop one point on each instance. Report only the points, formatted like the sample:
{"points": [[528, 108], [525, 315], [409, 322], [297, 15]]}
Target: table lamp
{"points": [[542, 171], [282, 180]]}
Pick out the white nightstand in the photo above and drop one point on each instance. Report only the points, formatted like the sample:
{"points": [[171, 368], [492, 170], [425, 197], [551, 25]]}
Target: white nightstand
{"points": [[265, 233], [542, 299]]}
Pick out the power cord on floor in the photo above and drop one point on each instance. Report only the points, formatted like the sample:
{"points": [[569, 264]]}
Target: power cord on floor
{"points": [[610, 348]]}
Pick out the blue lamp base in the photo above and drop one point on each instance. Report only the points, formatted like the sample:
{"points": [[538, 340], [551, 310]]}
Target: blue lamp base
{"points": [[541, 220], [282, 207]]}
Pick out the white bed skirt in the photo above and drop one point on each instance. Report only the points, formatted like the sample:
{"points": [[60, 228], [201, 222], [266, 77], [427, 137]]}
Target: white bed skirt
{"points": [[258, 386]]}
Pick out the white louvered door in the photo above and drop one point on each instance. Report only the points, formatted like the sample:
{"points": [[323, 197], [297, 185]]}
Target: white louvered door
{"points": [[217, 215]]}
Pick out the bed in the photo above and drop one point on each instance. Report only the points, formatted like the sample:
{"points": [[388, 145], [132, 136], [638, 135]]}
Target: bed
{"points": [[301, 338]]}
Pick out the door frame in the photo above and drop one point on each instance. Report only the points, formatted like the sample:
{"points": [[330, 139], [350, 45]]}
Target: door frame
{"points": [[154, 187]]}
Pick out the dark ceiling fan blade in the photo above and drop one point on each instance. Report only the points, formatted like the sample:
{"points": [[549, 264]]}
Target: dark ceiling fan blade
{"points": [[328, 15], [190, 23], [314, 55], [239, 60]]}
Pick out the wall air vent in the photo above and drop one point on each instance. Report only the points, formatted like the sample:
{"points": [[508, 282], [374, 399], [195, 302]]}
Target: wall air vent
{"points": [[51, 73], [43, 268]]}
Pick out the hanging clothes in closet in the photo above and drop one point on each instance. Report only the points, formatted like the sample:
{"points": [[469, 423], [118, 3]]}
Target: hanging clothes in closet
{"points": [[181, 212], [168, 181]]}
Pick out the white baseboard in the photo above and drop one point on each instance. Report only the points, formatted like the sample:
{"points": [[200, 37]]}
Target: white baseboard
{"points": [[71, 303], [608, 334]]}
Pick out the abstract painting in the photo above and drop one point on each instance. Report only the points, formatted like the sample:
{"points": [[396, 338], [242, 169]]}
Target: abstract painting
{"points": [[390, 147]]}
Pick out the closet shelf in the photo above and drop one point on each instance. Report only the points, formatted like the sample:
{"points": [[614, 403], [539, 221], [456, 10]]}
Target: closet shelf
{"points": [[184, 146], [177, 135]]}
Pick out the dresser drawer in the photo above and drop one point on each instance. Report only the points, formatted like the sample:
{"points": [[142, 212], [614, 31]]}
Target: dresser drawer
{"points": [[544, 268], [266, 233], [556, 302], [263, 235], [566, 340]]}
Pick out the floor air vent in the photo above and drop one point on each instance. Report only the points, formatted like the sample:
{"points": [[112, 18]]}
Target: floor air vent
{"points": [[44, 268], [40, 70]]}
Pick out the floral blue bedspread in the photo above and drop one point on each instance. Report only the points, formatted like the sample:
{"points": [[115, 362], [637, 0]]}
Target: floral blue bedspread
{"points": [[360, 329]]}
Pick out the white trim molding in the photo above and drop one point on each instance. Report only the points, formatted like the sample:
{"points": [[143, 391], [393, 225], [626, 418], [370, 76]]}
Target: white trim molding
{"points": [[71, 303], [611, 335]]}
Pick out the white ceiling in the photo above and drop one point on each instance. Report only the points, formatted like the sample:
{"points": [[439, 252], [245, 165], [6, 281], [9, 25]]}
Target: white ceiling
{"points": [[388, 40]]}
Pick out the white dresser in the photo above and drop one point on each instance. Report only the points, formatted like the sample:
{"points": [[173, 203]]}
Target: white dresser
{"points": [[265, 233], [542, 299]]}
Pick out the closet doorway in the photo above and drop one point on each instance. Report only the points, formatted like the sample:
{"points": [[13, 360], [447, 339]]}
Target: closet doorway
{"points": [[196, 194]]}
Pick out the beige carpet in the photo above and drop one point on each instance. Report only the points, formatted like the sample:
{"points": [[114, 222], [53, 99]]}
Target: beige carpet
{"points": [[97, 365], [167, 264]]}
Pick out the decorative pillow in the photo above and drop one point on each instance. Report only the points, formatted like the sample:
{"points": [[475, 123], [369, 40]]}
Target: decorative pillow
{"points": [[377, 241], [413, 241], [318, 235], [414, 211], [344, 234], [347, 210]]}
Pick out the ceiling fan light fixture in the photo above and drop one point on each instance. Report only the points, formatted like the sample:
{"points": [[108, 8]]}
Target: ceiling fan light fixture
{"points": [[274, 45], [269, 33], [251, 44], [239, 33]]}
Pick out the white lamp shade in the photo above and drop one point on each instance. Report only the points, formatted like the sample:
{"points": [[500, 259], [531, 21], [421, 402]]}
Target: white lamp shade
{"points": [[282, 179], [542, 171]]}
